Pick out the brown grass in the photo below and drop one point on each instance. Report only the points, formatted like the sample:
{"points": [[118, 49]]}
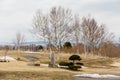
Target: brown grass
{"points": [[19, 70], [35, 76], [44, 57]]}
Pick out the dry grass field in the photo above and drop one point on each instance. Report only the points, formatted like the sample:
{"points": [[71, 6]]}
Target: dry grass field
{"points": [[35, 76], [20, 70]]}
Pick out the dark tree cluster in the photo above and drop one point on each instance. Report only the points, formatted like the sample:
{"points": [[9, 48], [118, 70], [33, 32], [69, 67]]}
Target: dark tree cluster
{"points": [[75, 64]]}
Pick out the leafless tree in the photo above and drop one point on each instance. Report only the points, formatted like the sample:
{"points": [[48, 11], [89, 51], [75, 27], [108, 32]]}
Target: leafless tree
{"points": [[61, 24], [93, 34], [18, 42], [106, 44], [77, 31], [55, 27], [41, 26]]}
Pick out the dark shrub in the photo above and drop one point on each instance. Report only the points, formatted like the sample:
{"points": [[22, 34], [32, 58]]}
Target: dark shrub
{"points": [[64, 64], [73, 65], [79, 63], [40, 47], [74, 57], [67, 45], [36, 64]]}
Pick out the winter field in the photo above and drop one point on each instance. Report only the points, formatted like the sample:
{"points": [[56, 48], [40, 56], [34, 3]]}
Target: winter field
{"points": [[95, 67]]}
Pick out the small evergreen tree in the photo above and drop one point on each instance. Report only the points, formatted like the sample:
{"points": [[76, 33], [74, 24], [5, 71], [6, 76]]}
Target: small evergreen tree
{"points": [[72, 65], [67, 44], [74, 57]]}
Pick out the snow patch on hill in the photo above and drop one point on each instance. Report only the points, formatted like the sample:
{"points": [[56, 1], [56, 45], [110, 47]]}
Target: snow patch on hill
{"points": [[8, 58], [97, 76]]}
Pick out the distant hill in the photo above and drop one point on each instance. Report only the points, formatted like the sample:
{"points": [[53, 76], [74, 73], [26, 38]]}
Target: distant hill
{"points": [[25, 43], [42, 43]]}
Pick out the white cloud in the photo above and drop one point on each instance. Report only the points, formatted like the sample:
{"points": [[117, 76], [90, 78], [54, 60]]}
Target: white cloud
{"points": [[16, 15]]}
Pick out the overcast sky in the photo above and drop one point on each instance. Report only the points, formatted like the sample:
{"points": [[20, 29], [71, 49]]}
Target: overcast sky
{"points": [[16, 15]]}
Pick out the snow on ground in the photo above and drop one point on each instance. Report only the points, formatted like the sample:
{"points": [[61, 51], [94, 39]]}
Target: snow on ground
{"points": [[84, 67], [46, 65], [97, 76], [8, 58]]}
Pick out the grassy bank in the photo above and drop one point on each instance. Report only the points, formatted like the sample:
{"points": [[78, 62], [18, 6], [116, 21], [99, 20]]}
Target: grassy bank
{"points": [[20, 70], [35, 75], [44, 57]]}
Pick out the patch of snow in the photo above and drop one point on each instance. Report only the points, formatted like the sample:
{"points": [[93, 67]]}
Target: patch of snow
{"points": [[67, 66], [62, 66], [46, 65], [97, 76], [8, 58], [83, 67]]}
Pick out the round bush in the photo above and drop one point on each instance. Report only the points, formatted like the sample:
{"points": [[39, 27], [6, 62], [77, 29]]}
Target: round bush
{"points": [[64, 64], [67, 44], [74, 57]]}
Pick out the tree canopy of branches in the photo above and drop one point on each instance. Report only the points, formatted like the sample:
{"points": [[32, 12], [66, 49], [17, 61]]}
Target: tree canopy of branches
{"points": [[54, 27], [60, 25], [18, 40], [93, 35], [77, 31]]}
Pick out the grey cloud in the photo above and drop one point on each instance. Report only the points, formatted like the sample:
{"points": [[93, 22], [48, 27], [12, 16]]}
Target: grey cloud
{"points": [[16, 15], [110, 6]]}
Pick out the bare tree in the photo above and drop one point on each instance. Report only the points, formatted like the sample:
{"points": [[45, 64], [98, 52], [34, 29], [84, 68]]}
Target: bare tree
{"points": [[93, 34], [77, 31], [61, 24], [55, 27], [106, 43], [18, 42], [41, 27]]}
